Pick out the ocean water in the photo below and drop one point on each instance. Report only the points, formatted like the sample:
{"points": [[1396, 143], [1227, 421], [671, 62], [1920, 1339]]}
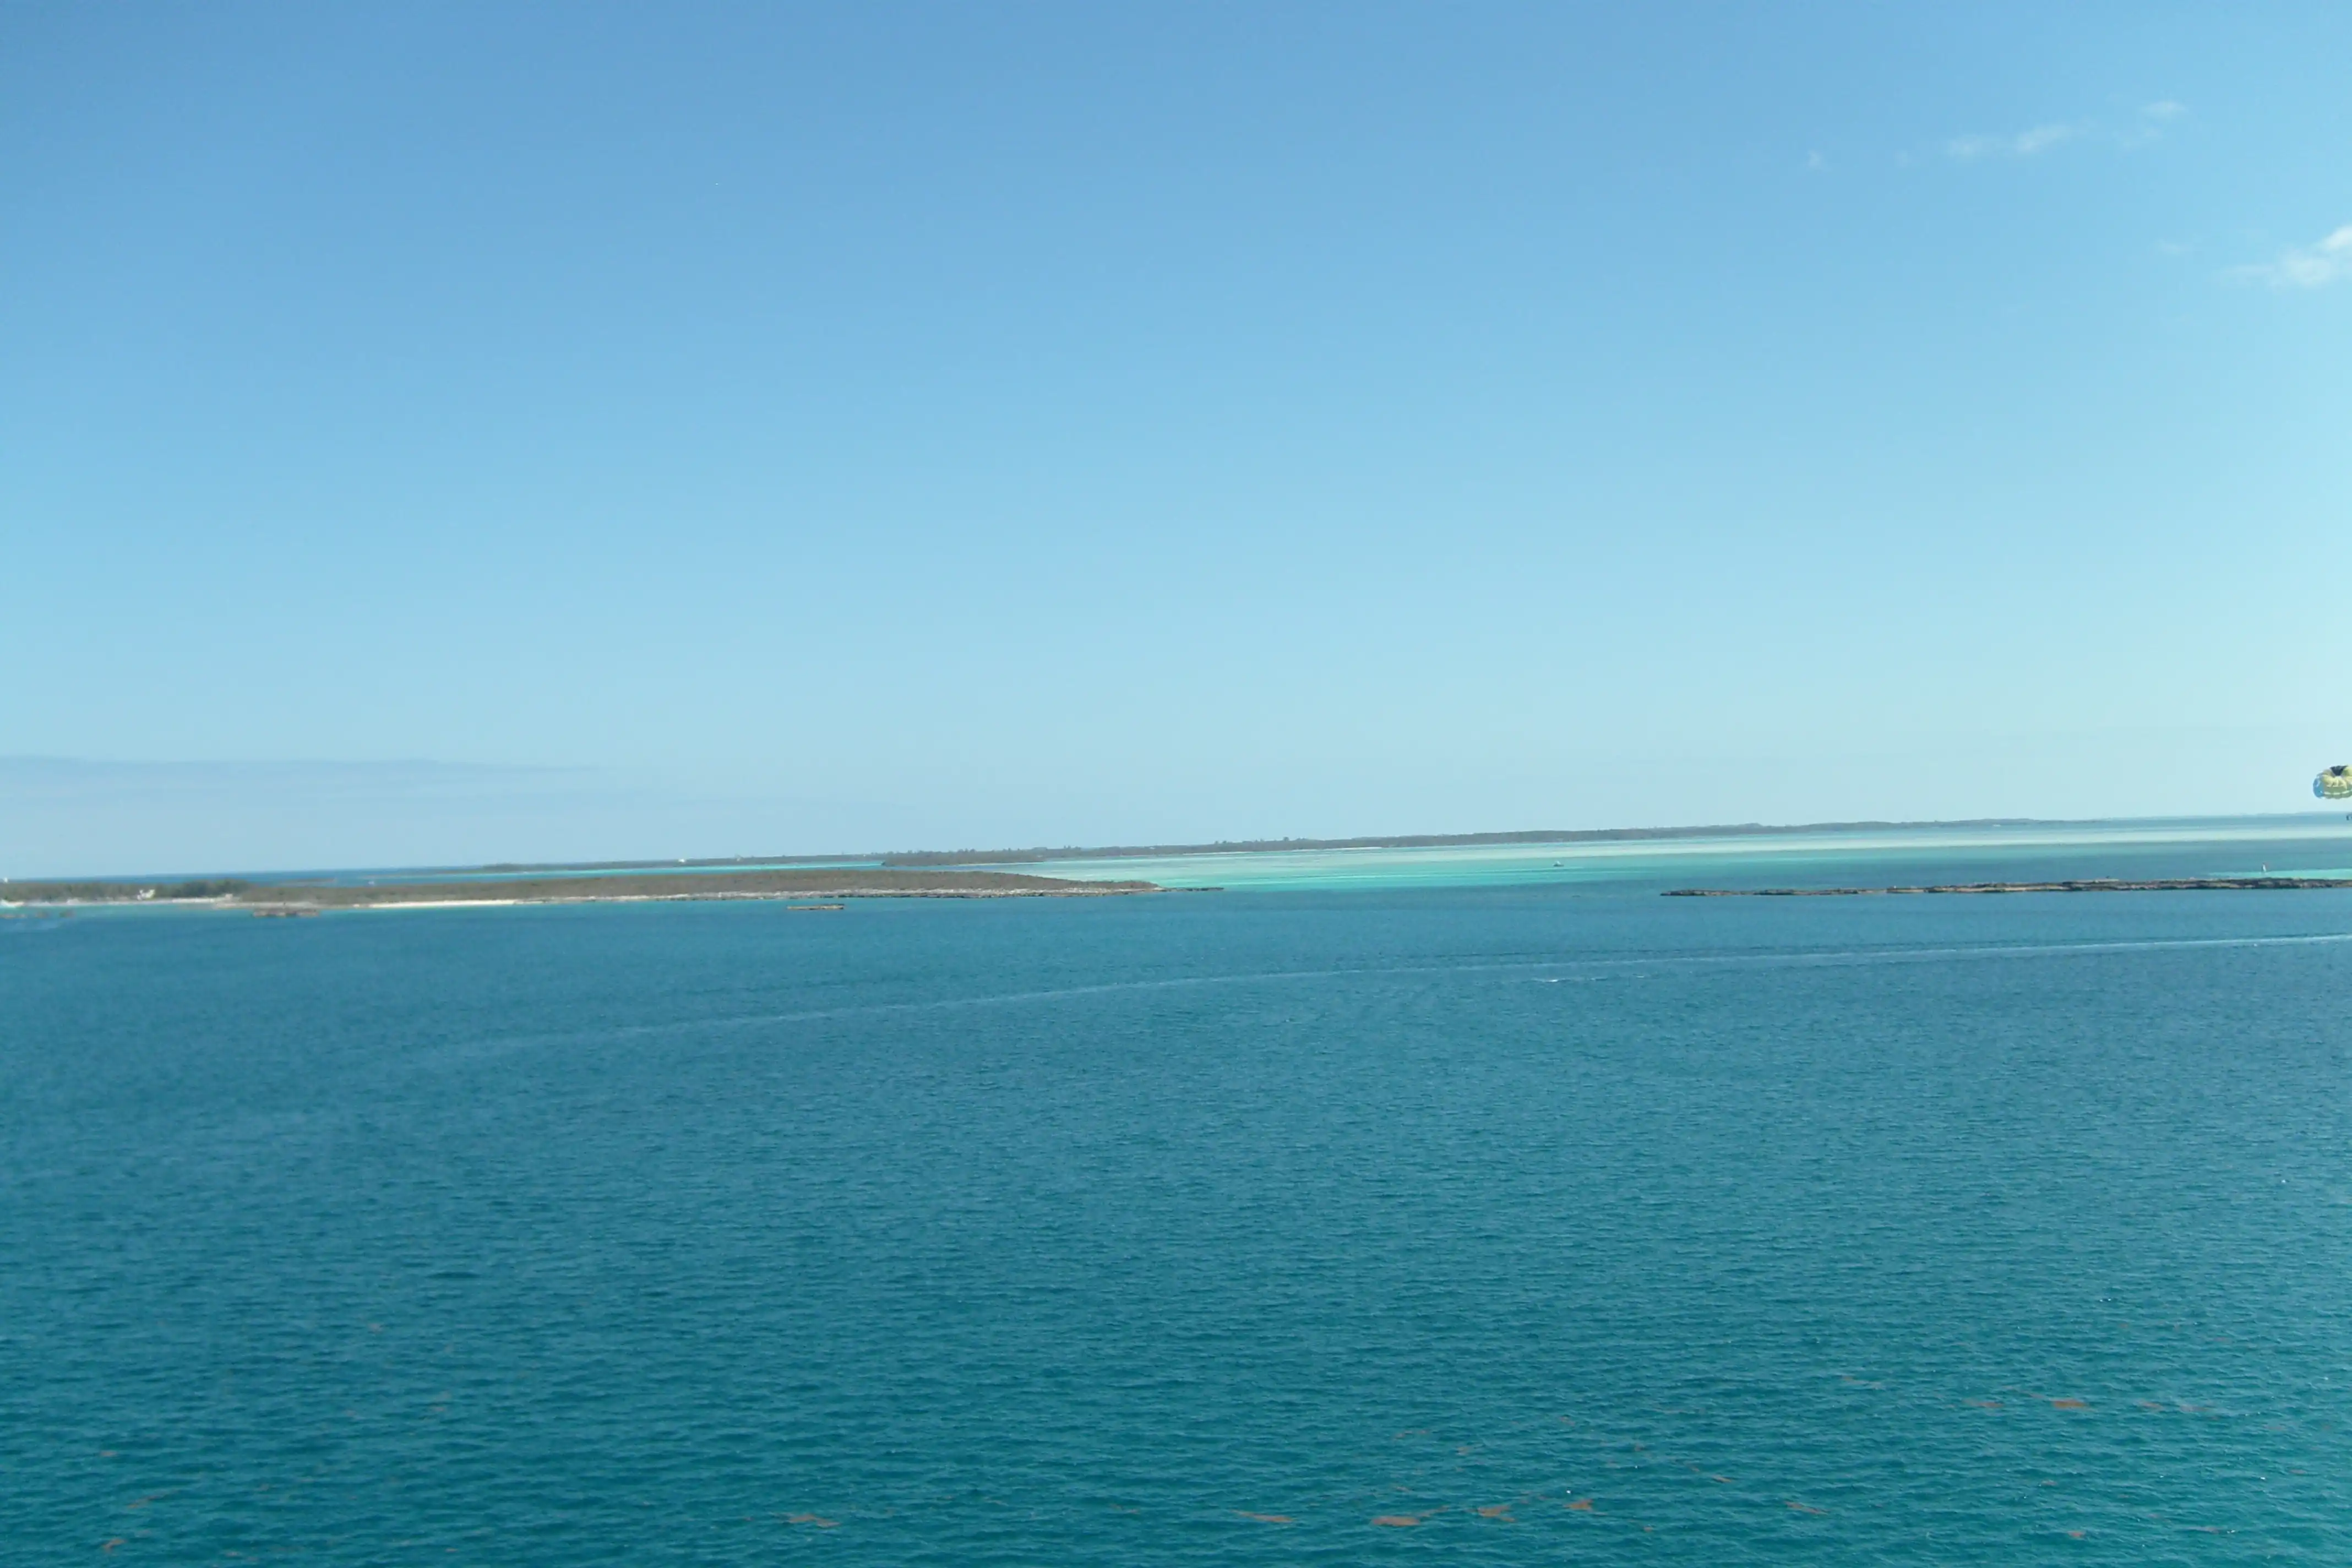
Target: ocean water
{"points": [[1546, 1222]]}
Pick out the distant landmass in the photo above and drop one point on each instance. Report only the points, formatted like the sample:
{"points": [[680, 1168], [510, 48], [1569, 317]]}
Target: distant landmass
{"points": [[866, 882], [932, 873], [1430, 841], [1036, 853], [111, 889]]}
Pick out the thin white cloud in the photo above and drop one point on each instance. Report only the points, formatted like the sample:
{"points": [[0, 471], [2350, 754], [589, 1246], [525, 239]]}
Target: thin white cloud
{"points": [[2022, 144], [2150, 125], [2028, 143], [2307, 265], [2141, 129]]}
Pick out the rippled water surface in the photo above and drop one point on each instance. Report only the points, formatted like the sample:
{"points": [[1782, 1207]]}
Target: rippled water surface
{"points": [[1486, 1224]]}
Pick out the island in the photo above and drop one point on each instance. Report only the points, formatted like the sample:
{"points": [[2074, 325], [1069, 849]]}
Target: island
{"points": [[827, 884]]}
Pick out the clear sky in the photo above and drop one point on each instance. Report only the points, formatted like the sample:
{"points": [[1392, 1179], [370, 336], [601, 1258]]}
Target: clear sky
{"points": [[450, 432]]}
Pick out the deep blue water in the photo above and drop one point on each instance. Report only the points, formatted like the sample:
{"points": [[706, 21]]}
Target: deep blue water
{"points": [[1950, 1231]]}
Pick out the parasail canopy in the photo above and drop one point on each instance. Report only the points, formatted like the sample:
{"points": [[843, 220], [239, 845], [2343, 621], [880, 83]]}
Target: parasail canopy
{"points": [[2335, 784]]}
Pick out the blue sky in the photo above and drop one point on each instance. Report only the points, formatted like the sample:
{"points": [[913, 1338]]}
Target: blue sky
{"points": [[711, 429]]}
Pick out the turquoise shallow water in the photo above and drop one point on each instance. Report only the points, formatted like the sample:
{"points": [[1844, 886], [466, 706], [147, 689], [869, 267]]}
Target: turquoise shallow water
{"points": [[1933, 1231], [2317, 844]]}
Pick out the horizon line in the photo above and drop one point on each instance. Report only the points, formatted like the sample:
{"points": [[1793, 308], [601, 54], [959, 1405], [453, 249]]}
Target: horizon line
{"points": [[1035, 854]]}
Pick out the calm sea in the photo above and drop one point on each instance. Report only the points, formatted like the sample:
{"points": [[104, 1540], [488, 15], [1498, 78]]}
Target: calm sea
{"points": [[1521, 1223]]}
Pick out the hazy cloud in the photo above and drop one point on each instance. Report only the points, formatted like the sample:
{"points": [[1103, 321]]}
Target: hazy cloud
{"points": [[2022, 144], [2149, 126], [2307, 267], [2143, 128]]}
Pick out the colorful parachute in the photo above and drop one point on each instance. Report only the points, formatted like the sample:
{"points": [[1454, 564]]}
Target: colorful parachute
{"points": [[2335, 784]]}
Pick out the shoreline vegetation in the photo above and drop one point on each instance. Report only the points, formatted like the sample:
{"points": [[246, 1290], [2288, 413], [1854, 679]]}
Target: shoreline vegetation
{"points": [[819, 883]]}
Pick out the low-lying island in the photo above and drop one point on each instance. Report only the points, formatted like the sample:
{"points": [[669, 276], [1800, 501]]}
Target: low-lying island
{"points": [[830, 884]]}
